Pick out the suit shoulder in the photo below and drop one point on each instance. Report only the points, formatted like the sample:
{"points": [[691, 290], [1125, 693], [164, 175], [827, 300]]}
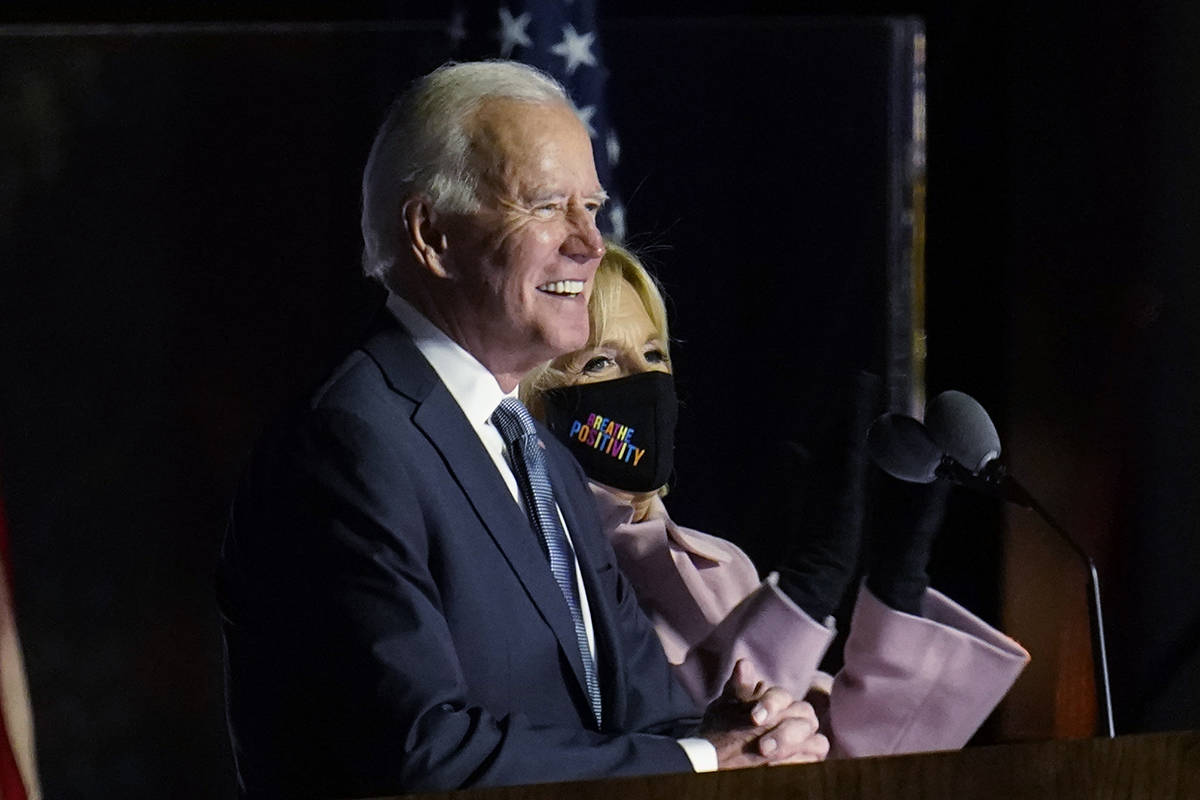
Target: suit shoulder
{"points": [[352, 411], [358, 386]]}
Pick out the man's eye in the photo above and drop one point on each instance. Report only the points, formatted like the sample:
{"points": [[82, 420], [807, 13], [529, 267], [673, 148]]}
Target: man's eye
{"points": [[596, 364], [593, 208], [547, 209]]}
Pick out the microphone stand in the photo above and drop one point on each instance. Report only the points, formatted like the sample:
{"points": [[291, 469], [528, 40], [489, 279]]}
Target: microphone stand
{"points": [[993, 479]]}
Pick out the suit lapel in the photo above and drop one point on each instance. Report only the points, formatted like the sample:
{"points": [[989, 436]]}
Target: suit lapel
{"points": [[442, 421]]}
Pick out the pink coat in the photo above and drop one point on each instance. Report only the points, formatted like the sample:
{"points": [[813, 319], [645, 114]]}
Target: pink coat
{"points": [[909, 683]]}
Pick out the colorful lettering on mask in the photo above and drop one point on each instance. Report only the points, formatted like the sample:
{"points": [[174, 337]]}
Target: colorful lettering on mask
{"points": [[608, 436]]}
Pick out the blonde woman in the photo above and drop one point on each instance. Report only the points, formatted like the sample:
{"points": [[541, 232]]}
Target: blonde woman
{"points": [[921, 673]]}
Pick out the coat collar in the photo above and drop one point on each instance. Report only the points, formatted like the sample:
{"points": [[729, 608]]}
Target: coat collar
{"points": [[617, 515]]}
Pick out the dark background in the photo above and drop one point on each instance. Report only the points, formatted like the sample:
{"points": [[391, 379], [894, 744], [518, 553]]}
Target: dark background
{"points": [[178, 252]]}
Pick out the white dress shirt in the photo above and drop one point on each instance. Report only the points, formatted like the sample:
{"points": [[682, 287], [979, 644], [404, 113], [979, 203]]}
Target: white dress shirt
{"points": [[477, 393]]}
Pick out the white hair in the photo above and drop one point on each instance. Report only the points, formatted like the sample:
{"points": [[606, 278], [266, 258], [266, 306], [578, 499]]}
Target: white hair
{"points": [[424, 146]]}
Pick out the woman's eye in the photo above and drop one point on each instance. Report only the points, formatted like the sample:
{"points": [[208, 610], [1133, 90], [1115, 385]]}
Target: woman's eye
{"points": [[596, 364], [656, 356]]}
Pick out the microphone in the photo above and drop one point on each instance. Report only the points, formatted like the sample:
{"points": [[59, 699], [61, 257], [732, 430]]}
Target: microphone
{"points": [[902, 447], [908, 450], [964, 431], [959, 442]]}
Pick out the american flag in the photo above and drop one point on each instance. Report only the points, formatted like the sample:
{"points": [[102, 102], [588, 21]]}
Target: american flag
{"points": [[559, 37]]}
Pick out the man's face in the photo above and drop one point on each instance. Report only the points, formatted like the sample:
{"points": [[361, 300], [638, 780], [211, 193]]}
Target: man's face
{"points": [[523, 264]]}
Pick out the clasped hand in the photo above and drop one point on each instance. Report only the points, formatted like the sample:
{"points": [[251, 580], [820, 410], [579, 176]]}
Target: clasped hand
{"points": [[752, 724]]}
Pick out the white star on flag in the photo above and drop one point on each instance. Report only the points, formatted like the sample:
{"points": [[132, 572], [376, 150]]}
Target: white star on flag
{"points": [[576, 49], [512, 31], [613, 148], [560, 37], [585, 115]]}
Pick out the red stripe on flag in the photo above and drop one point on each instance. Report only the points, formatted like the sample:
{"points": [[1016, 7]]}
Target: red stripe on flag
{"points": [[12, 787]]}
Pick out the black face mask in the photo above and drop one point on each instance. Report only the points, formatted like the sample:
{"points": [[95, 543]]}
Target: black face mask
{"points": [[622, 431]]}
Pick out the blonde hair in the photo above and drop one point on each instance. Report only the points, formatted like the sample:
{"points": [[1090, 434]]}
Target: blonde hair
{"points": [[618, 266]]}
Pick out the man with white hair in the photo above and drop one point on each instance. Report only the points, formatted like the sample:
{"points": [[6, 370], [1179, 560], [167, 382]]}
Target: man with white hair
{"points": [[416, 593]]}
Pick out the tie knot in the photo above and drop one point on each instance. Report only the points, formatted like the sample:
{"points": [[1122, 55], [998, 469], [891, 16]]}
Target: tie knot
{"points": [[513, 420]]}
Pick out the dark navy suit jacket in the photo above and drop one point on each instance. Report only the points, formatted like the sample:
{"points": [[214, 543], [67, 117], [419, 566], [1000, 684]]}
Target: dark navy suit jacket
{"points": [[391, 622]]}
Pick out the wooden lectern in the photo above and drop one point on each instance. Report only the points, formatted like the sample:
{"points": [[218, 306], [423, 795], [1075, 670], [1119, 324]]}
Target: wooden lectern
{"points": [[1161, 765]]}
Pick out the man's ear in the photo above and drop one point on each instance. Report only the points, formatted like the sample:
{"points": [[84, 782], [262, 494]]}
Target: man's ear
{"points": [[425, 236]]}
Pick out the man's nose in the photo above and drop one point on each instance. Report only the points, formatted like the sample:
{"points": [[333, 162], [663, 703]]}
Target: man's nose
{"points": [[584, 241]]}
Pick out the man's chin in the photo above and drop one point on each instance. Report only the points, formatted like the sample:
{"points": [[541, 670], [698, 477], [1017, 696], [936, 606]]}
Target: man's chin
{"points": [[569, 344], [565, 333]]}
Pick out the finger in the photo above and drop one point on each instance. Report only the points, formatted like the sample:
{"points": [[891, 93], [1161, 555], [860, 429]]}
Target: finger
{"points": [[801, 709], [814, 748], [788, 739], [774, 705], [743, 684]]}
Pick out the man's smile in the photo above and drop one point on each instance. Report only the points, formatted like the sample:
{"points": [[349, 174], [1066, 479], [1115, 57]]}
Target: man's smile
{"points": [[564, 288]]}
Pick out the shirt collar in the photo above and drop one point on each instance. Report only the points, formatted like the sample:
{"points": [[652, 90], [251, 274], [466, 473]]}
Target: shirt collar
{"points": [[472, 386]]}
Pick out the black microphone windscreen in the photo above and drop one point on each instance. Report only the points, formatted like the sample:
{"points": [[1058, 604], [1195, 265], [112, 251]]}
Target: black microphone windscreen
{"points": [[901, 447], [961, 427]]}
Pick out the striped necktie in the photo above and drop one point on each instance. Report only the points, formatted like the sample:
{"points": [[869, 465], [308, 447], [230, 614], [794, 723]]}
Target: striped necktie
{"points": [[528, 458]]}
